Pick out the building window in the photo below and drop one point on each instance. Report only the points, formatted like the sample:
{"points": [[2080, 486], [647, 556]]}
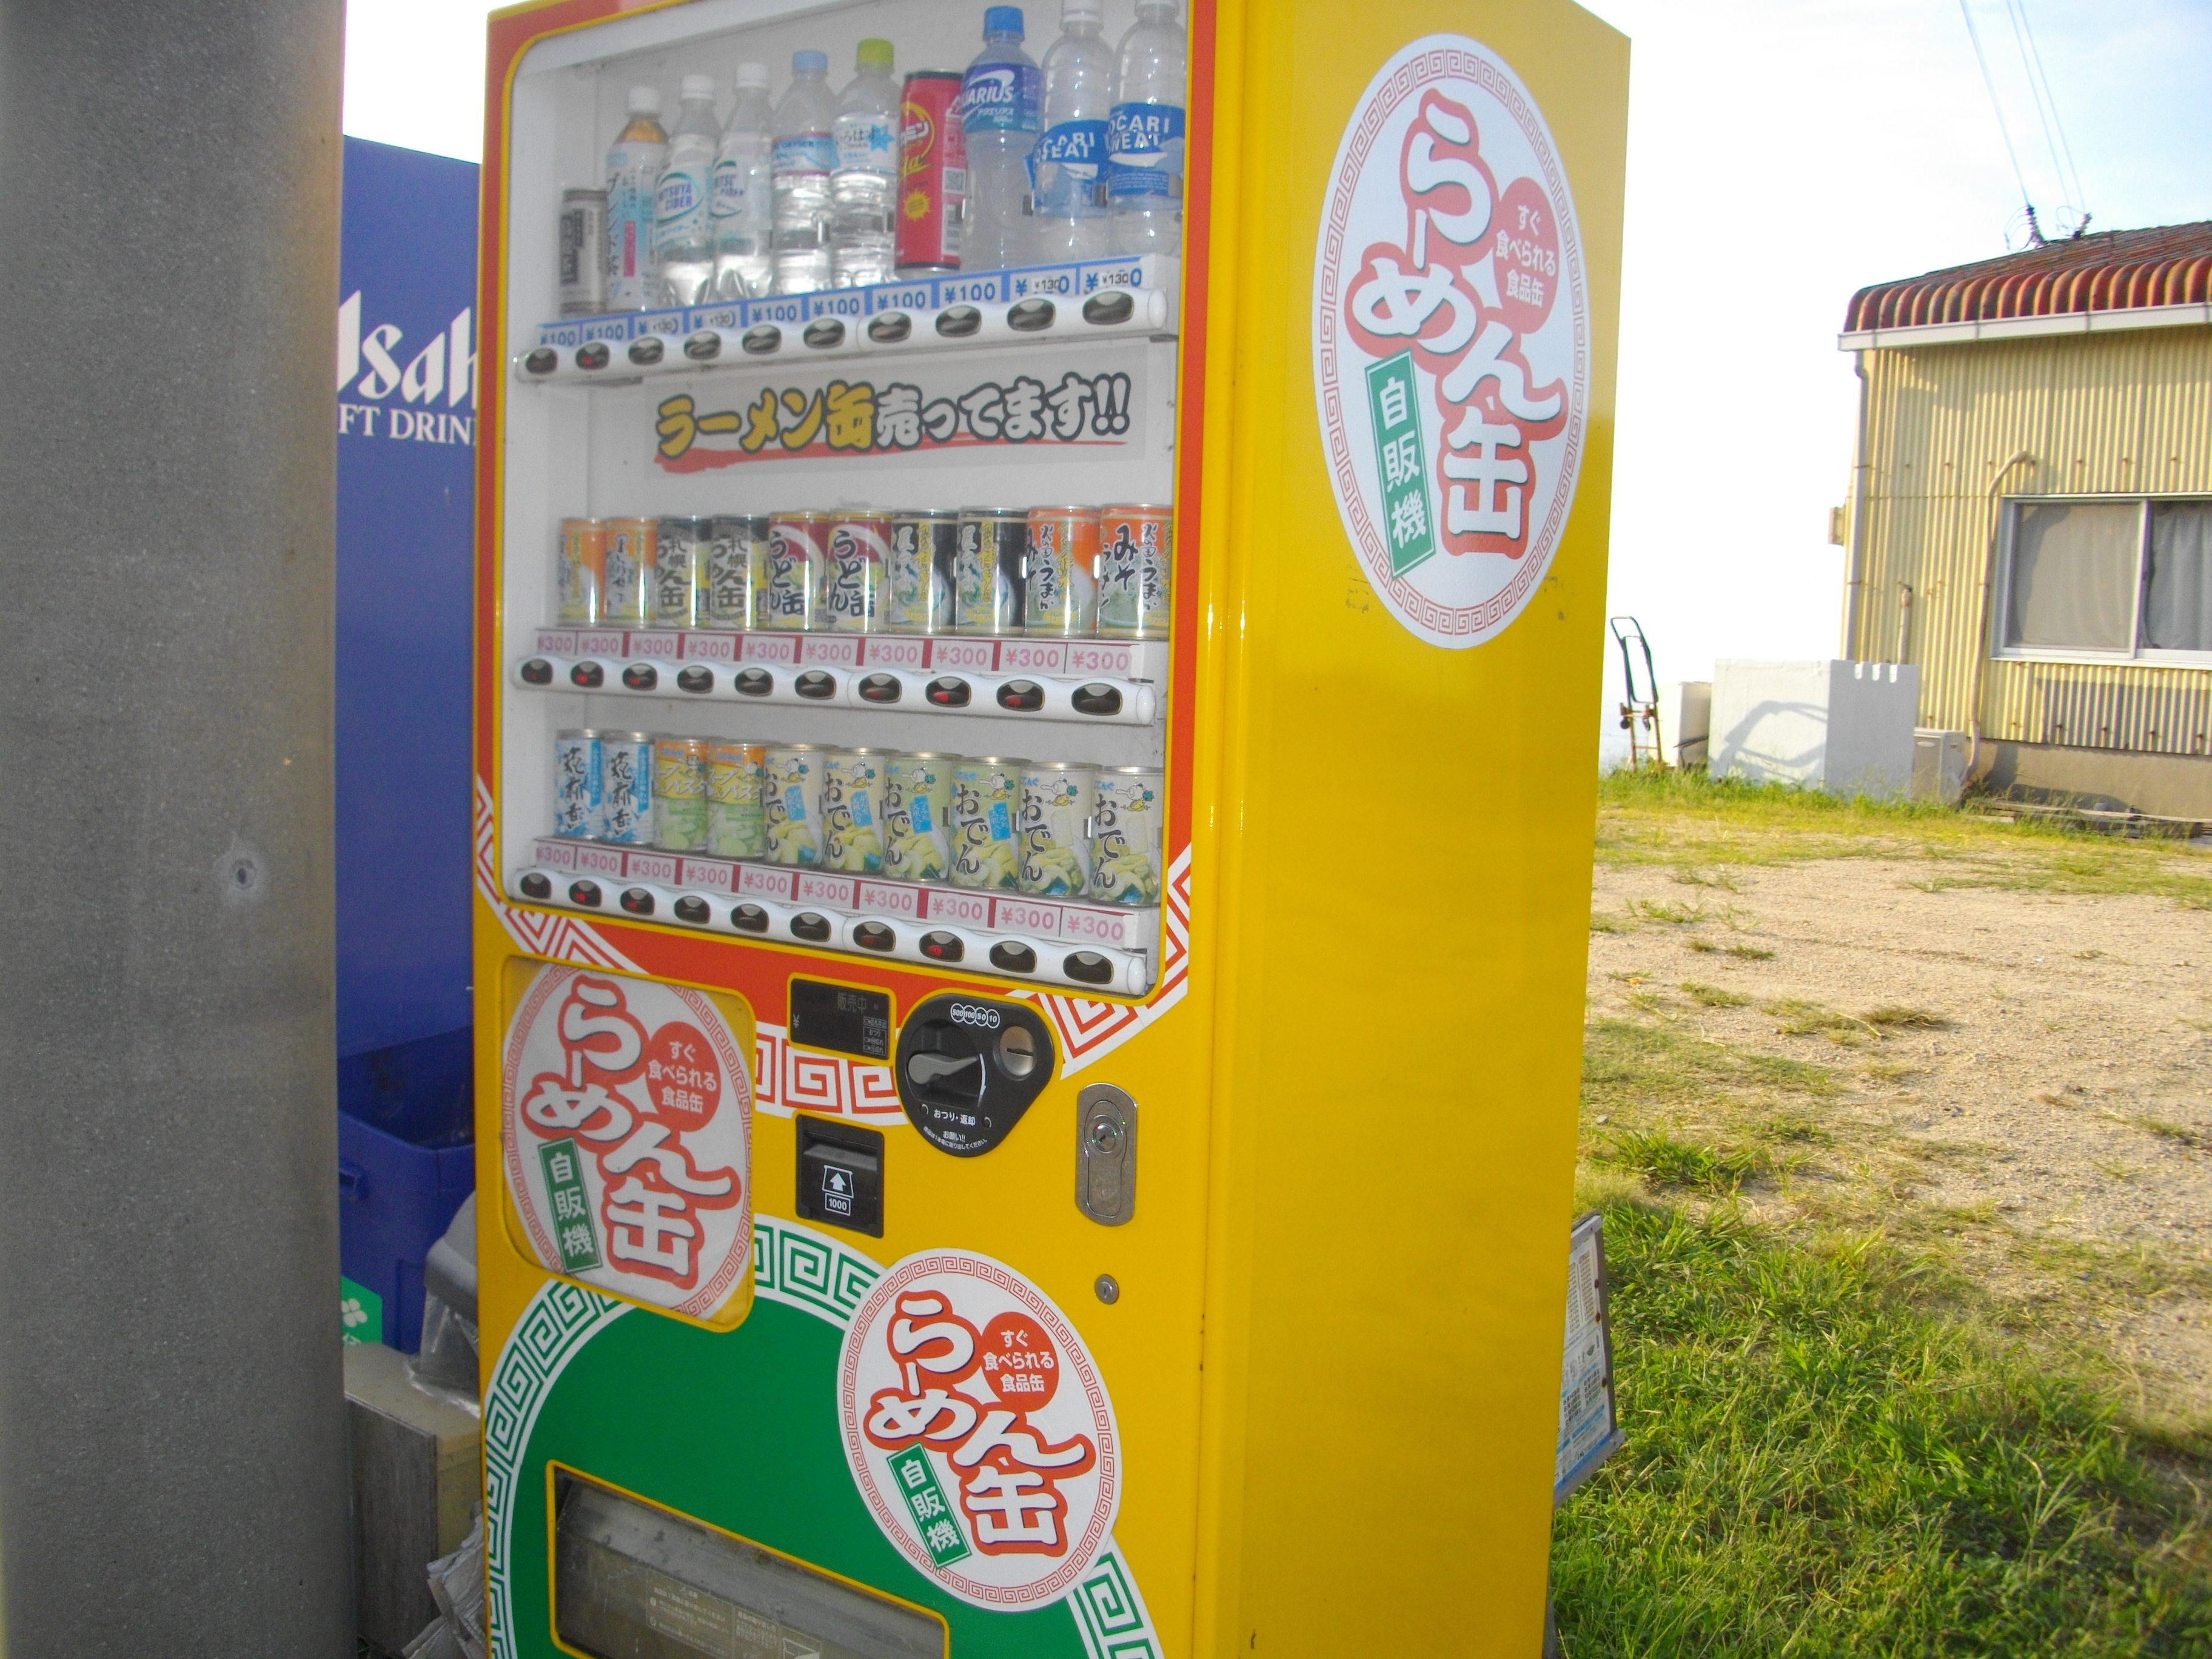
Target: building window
{"points": [[2108, 578]]}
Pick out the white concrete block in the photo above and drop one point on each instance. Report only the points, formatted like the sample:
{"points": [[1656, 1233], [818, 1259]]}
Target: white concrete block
{"points": [[1686, 714], [1846, 727]]}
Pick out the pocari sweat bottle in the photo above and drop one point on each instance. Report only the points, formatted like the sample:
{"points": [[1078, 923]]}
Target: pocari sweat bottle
{"points": [[864, 189], [682, 224], [634, 166], [804, 156], [1000, 110], [1067, 169], [745, 199], [1143, 149]]}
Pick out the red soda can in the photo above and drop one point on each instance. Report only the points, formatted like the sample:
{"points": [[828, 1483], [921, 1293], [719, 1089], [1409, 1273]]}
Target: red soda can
{"points": [[933, 174]]}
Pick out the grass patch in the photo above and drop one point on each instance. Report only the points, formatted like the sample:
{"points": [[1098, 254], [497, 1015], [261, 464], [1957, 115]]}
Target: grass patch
{"points": [[1802, 1019], [1666, 1160], [1817, 1466], [1629, 1065], [1712, 996], [1894, 1019]]}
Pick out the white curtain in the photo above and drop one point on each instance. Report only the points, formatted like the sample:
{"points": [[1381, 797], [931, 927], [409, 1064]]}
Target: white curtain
{"points": [[2177, 598], [2073, 566]]}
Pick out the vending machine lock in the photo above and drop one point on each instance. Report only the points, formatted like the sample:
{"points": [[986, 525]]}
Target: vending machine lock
{"points": [[969, 1067], [840, 1175], [1106, 1154]]}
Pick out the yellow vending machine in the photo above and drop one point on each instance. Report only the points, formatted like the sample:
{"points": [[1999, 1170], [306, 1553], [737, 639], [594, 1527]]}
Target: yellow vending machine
{"points": [[1038, 608]]}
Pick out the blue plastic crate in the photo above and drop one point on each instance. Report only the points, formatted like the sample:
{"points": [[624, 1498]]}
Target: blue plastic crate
{"points": [[405, 1162]]}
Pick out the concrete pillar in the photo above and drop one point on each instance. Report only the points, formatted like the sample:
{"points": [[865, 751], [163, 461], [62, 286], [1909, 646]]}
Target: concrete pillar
{"points": [[171, 1427]]}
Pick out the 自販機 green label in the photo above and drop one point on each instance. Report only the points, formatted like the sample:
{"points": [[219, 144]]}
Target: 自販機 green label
{"points": [[1393, 400], [573, 1233], [917, 1482]]}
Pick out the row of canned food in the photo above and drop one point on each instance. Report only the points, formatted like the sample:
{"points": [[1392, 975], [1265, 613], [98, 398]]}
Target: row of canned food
{"points": [[1056, 571], [1049, 829]]}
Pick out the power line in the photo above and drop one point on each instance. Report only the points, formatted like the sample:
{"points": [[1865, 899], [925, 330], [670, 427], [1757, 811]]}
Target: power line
{"points": [[1997, 109], [2047, 103]]}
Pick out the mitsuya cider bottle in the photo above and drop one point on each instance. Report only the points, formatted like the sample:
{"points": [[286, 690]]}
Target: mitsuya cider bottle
{"points": [[684, 225]]}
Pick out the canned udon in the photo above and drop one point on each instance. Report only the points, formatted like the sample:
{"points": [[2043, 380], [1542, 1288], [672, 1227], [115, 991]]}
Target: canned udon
{"points": [[679, 572], [1127, 822], [736, 828], [798, 551], [1056, 807], [917, 815], [933, 174], [576, 783], [852, 831], [626, 592], [986, 583], [626, 788], [679, 793], [790, 800], [1136, 569], [583, 263], [918, 599], [986, 804], [737, 570], [578, 570], [856, 574], [1059, 594]]}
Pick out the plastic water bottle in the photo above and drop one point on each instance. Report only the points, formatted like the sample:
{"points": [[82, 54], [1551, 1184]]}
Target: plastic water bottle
{"points": [[745, 198], [804, 156], [634, 166], [1067, 169], [1144, 149], [864, 187], [682, 221], [1000, 111]]}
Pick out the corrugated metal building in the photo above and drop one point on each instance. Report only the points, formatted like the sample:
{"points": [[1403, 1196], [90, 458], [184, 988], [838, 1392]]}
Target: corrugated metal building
{"points": [[2031, 519]]}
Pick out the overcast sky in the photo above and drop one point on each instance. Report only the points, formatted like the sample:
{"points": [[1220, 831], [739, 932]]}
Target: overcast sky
{"points": [[1782, 154]]}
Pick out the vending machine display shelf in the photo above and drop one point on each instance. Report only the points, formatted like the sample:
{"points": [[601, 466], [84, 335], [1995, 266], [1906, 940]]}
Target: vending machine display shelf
{"points": [[1092, 947], [1099, 299], [1112, 682]]}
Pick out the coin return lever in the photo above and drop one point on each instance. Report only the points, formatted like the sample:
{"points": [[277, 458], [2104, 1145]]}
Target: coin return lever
{"points": [[969, 1069]]}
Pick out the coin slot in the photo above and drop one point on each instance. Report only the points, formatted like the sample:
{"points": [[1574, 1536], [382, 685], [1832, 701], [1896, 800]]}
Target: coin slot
{"points": [[589, 675], [890, 328], [694, 910], [592, 356], [761, 340], [1014, 956], [1107, 309], [1089, 968], [749, 918], [881, 687], [543, 361], [536, 672], [695, 679], [536, 886], [585, 893], [754, 682], [637, 901], [648, 351], [959, 322], [1021, 695], [969, 1067], [641, 677], [815, 684], [703, 346], [823, 332], [949, 692], [1018, 1052], [1096, 698], [811, 925], [1030, 316]]}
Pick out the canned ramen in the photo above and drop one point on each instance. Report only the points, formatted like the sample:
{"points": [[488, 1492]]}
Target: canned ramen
{"points": [[736, 826], [679, 572], [1059, 595], [679, 793], [791, 802], [626, 788], [1056, 806], [579, 568], [798, 552], [1136, 559], [987, 571], [1126, 835], [856, 574], [918, 598], [852, 819], [917, 815], [626, 593], [737, 570], [576, 783], [986, 804]]}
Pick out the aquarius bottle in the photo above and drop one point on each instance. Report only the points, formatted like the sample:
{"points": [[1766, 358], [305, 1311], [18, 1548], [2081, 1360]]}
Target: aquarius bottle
{"points": [[1000, 110]]}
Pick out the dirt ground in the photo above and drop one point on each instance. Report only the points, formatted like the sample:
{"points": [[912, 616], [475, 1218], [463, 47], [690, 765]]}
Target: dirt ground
{"points": [[2037, 1104]]}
